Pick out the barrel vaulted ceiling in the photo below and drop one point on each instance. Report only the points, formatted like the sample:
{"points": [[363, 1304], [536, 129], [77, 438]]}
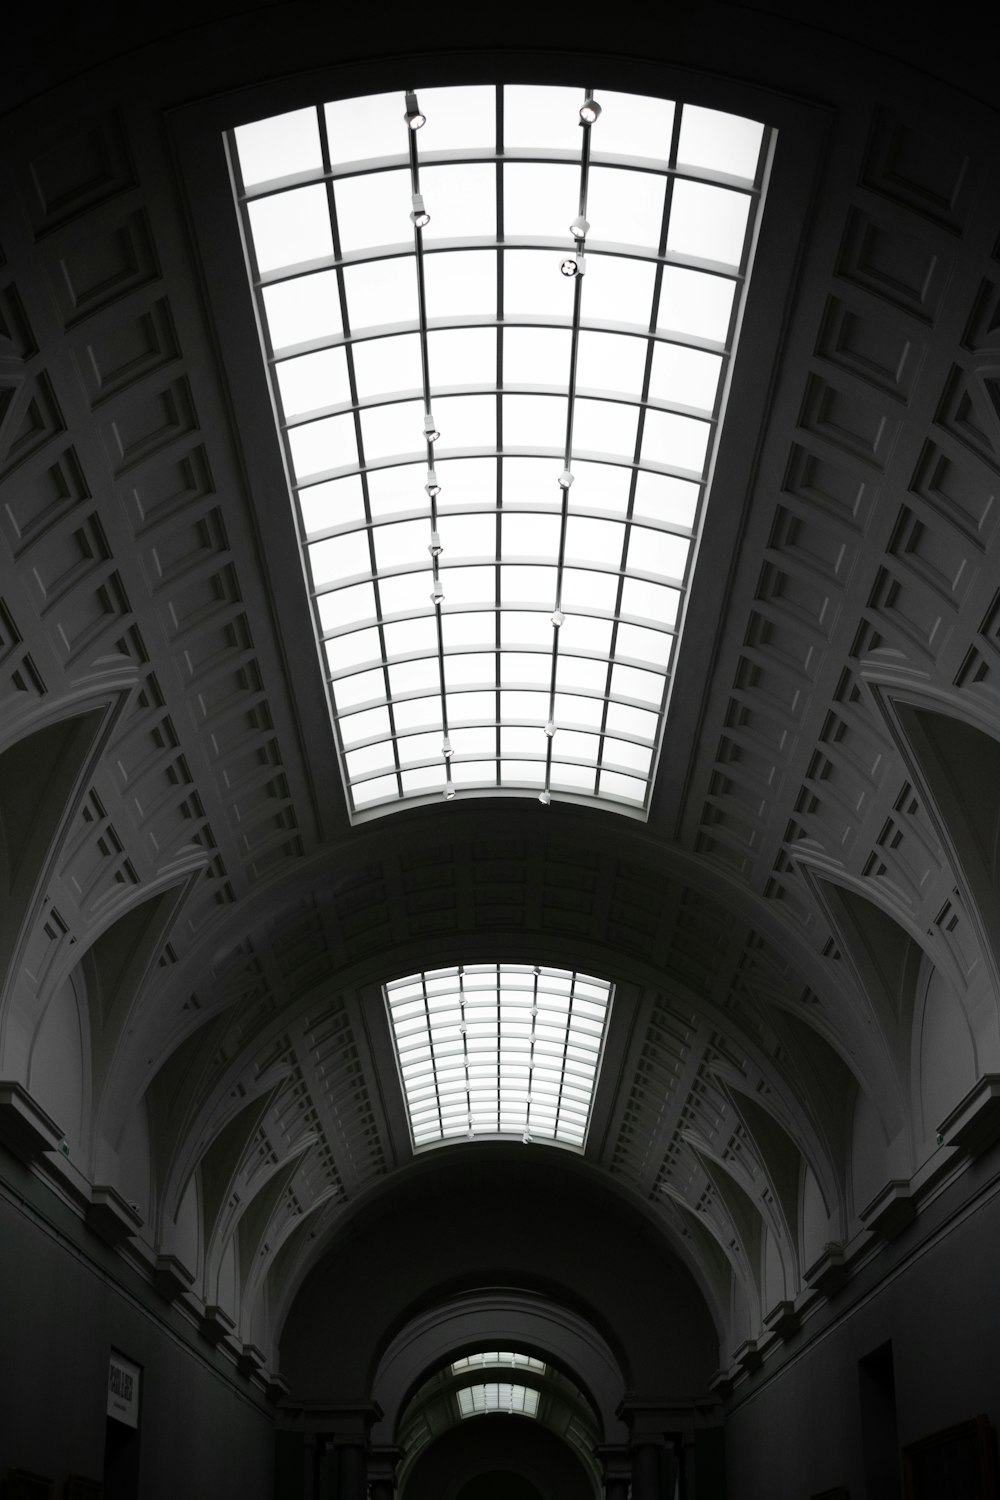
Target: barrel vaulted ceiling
{"points": [[802, 935]]}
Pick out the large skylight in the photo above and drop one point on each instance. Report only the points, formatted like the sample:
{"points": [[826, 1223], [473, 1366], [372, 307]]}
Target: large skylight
{"points": [[519, 1400], [483, 626], [498, 1358], [499, 1049]]}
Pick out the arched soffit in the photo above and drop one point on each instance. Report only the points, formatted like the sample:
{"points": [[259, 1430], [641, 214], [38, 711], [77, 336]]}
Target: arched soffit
{"points": [[529, 856], [538, 1219], [477, 1320]]}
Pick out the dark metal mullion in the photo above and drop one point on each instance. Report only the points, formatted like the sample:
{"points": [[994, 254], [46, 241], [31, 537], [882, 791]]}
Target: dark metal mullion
{"points": [[430, 1040], [498, 574], [562, 1073], [353, 386], [425, 371], [640, 430], [574, 349]]}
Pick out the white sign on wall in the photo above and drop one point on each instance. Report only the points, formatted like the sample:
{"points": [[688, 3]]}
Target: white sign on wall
{"points": [[123, 1390]]}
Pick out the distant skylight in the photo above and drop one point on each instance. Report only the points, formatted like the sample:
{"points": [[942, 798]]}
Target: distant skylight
{"points": [[498, 1358], [515, 1399], [499, 1049], [482, 627]]}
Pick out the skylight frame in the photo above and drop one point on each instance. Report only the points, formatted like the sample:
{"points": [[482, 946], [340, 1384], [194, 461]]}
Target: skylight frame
{"points": [[499, 1051], [633, 746], [497, 1397]]}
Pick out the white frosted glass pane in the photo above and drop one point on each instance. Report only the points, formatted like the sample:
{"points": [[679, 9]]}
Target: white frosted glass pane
{"points": [[471, 628], [401, 544], [462, 356], [461, 200], [525, 669], [633, 125], [650, 601], [470, 772], [630, 757], [465, 707], [725, 143], [469, 537], [524, 585], [578, 674], [363, 687], [625, 720], [398, 488], [530, 535], [466, 481], [583, 590], [681, 442], [626, 207], [384, 366], [371, 125], [373, 210], [480, 742], [360, 648], [409, 591], [522, 772], [418, 747], [372, 758], [364, 726], [632, 682], [576, 778], [580, 633], [653, 646], [458, 117], [664, 498], [380, 292], [533, 286], [378, 789], [411, 635], [331, 504], [290, 227], [600, 486], [312, 381], [419, 713], [468, 585], [523, 627], [542, 117], [540, 199], [523, 740], [329, 443], [657, 552], [611, 362], [618, 290], [466, 421], [525, 707], [279, 146], [589, 540], [427, 779], [606, 426], [536, 356], [628, 787], [570, 744], [461, 283], [414, 676], [689, 377], [307, 307], [394, 429], [584, 712], [709, 222], [339, 558], [693, 302], [534, 422], [346, 606]]}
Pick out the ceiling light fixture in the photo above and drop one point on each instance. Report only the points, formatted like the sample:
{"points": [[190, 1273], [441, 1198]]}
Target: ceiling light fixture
{"points": [[413, 116], [432, 487], [565, 479], [431, 433], [421, 218], [434, 546], [573, 265], [578, 228], [590, 111]]}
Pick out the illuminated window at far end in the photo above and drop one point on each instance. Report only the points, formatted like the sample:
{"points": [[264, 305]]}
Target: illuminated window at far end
{"points": [[498, 323]]}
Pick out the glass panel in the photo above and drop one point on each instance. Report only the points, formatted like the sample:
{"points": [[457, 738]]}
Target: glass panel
{"points": [[291, 227], [329, 443], [680, 442], [536, 356], [384, 366], [463, 356], [394, 429], [693, 302], [626, 207], [458, 117], [461, 283], [313, 381], [709, 222], [724, 143], [611, 362], [368, 126], [540, 198], [606, 426], [373, 210], [542, 118], [460, 200], [689, 377], [334, 503], [534, 422], [379, 292], [279, 146], [618, 290], [303, 309], [633, 125], [532, 285]]}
